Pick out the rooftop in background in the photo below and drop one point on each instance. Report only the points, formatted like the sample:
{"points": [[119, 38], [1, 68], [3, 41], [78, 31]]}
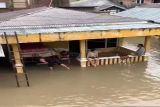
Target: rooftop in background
{"points": [[109, 6], [153, 5], [14, 14], [57, 16], [144, 12], [91, 3], [50, 20]]}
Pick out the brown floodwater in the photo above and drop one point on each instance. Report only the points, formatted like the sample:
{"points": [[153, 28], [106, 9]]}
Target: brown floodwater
{"points": [[114, 85]]}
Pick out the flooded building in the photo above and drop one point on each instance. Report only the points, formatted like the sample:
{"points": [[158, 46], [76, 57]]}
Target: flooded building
{"points": [[75, 31]]}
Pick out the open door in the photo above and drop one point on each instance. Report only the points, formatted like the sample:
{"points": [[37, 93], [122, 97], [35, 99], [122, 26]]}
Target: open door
{"points": [[74, 48]]}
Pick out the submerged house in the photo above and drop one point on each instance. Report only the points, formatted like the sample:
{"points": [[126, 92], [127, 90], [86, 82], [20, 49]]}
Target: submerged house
{"points": [[97, 6], [75, 31]]}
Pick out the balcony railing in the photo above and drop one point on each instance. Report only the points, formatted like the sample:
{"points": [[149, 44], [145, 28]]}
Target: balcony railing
{"points": [[120, 55]]}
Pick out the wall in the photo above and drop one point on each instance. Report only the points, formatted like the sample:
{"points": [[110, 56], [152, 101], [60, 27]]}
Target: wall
{"points": [[57, 44], [61, 3], [131, 3]]}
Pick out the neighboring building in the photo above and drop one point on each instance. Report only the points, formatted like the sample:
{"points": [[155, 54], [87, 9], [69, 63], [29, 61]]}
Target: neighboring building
{"points": [[8, 5], [109, 8], [149, 12], [105, 6], [132, 3]]}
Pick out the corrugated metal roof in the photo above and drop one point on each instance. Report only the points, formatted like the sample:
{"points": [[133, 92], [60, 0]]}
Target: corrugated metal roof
{"points": [[103, 7], [152, 5], [90, 3], [50, 20], [24, 31], [13, 14], [63, 17], [151, 14]]}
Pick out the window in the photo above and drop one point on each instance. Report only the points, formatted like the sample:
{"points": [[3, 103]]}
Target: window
{"points": [[102, 43], [3, 5], [140, 1]]}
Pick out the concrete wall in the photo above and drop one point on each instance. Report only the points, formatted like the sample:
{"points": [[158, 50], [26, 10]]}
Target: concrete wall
{"points": [[61, 3], [131, 3]]}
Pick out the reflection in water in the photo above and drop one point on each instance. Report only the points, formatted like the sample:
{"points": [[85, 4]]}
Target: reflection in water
{"points": [[134, 84]]}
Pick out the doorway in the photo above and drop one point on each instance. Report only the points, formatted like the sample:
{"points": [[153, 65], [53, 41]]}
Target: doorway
{"points": [[74, 48]]}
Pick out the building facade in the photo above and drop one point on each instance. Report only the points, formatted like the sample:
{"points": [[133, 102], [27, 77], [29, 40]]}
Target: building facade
{"points": [[132, 3], [8, 5]]}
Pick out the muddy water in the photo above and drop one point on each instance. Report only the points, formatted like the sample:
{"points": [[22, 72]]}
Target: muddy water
{"points": [[134, 84]]}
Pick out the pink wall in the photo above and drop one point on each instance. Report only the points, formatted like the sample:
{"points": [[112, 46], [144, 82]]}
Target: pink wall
{"points": [[130, 3]]}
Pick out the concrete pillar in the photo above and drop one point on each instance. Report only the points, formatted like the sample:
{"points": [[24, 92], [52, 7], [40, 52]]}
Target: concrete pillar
{"points": [[147, 43], [17, 58], [83, 53]]}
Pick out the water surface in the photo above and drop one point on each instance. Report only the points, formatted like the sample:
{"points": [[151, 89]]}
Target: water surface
{"points": [[133, 84]]}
